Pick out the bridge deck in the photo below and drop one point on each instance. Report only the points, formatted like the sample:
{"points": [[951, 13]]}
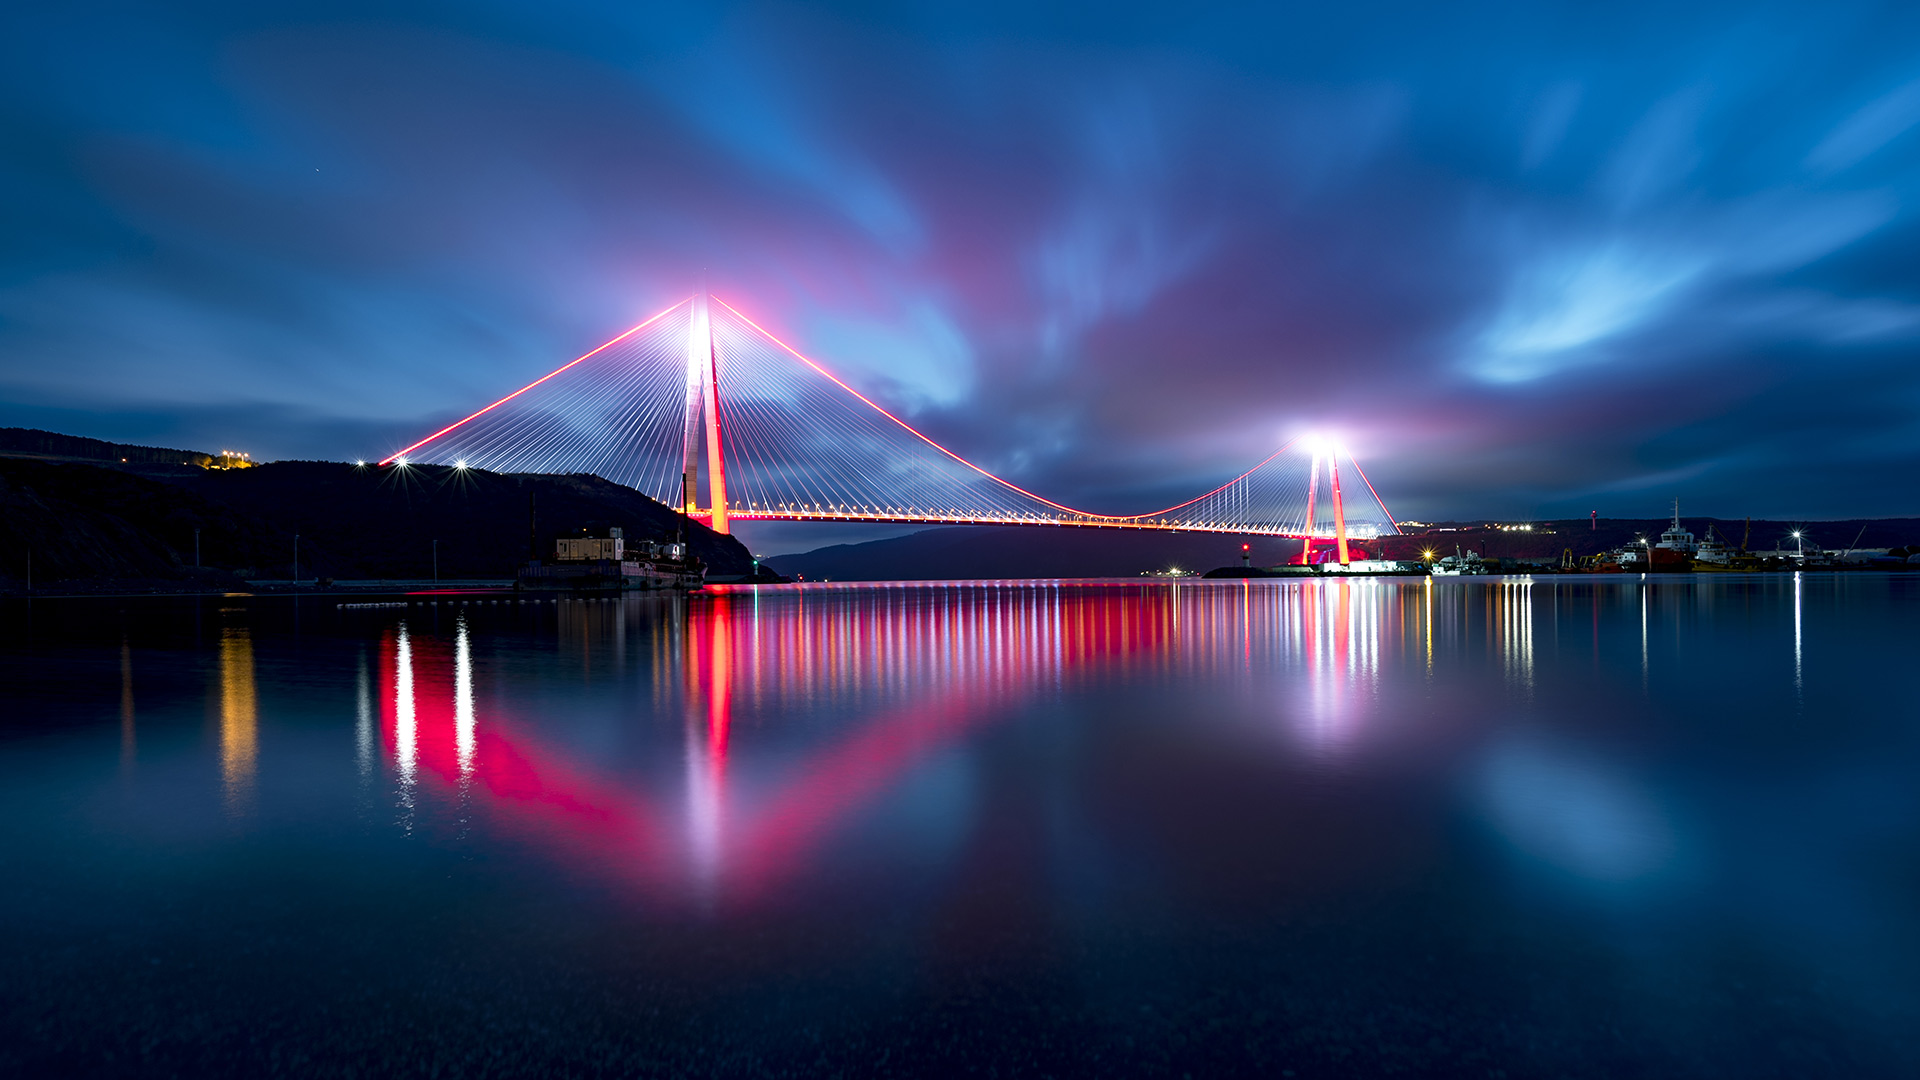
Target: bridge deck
{"points": [[895, 518]]}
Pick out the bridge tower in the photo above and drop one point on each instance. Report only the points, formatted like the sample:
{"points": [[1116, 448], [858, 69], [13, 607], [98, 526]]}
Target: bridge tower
{"points": [[1313, 508], [703, 400], [1331, 452], [1339, 510]]}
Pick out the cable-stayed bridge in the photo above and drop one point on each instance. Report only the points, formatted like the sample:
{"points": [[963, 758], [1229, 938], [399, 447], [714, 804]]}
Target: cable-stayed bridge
{"points": [[700, 404]]}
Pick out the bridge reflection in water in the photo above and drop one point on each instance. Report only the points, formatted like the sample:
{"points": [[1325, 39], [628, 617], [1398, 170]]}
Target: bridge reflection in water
{"points": [[800, 709]]}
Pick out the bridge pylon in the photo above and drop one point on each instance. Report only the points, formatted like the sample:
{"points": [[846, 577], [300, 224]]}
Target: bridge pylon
{"points": [[703, 401], [1339, 508]]}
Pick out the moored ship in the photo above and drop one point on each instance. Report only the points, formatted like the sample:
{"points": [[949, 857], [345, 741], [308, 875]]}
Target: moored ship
{"points": [[1717, 555], [1673, 554]]}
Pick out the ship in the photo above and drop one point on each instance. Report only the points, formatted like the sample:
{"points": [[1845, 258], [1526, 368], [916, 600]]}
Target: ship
{"points": [[609, 564], [1672, 554], [1716, 555]]}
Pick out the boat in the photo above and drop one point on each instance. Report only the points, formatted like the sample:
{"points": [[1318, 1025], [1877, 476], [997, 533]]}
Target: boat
{"points": [[608, 564], [1676, 549], [1715, 555], [1713, 550]]}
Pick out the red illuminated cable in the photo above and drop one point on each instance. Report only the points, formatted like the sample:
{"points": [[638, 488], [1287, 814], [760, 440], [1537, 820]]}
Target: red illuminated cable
{"points": [[531, 385], [1375, 494], [795, 353]]}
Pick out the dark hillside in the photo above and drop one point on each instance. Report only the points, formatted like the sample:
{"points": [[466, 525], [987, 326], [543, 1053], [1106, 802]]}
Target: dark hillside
{"points": [[90, 527], [382, 522], [84, 523], [1549, 538], [1027, 552], [32, 442]]}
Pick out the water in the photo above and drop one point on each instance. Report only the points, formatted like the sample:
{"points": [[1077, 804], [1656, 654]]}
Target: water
{"points": [[1571, 827]]}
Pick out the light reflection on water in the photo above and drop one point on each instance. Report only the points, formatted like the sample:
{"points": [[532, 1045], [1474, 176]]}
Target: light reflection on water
{"points": [[1608, 779], [907, 673], [239, 721]]}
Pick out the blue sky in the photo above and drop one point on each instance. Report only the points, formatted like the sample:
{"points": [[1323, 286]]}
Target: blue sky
{"points": [[1529, 260]]}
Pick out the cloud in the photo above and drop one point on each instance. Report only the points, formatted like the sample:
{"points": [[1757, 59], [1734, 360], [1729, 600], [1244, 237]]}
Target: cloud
{"points": [[1660, 152], [1861, 135], [1564, 306], [1112, 253], [920, 355], [1548, 126]]}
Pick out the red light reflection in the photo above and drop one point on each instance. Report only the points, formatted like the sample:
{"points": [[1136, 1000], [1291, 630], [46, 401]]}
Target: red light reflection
{"points": [[910, 670]]}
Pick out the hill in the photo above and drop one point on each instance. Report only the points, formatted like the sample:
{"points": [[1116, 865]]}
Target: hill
{"points": [[53, 446], [90, 527], [1026, 551]]}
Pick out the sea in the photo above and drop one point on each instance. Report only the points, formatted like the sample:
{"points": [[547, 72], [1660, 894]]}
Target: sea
{"points": [[1565, 826]]}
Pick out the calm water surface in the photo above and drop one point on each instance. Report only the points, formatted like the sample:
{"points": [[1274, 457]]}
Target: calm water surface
{"points": [[1566, 827]]}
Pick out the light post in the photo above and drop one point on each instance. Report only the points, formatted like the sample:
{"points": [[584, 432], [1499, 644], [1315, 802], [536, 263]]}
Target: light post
{"points": [[436, 561], [296, 560], [196, 549]]}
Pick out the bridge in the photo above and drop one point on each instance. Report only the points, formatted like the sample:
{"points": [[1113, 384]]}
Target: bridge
{"points": [[700, 398]]}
